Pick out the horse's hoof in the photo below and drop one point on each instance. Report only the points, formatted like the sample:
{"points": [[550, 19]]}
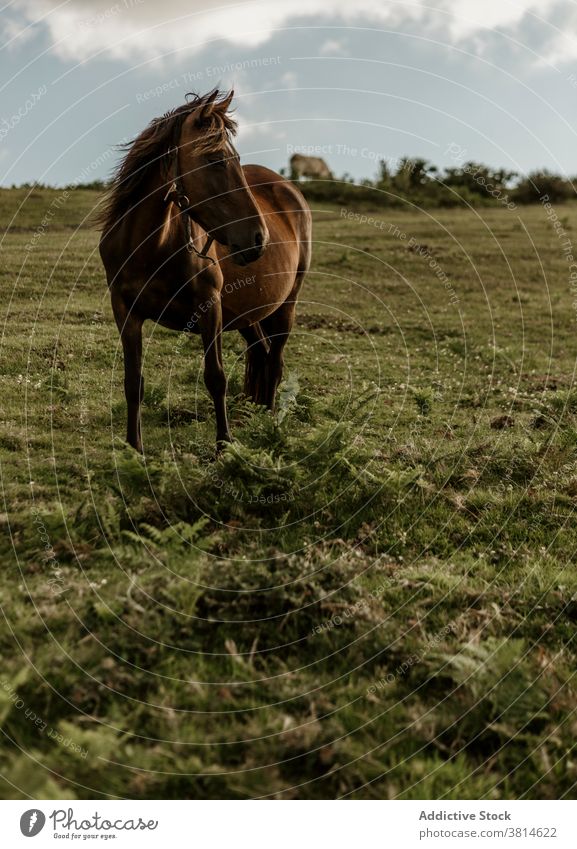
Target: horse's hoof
{"points": [[222, 443]]}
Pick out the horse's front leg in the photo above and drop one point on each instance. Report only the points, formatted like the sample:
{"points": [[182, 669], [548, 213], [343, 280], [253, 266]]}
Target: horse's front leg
{"points": [[130, 327], [210, 323]]}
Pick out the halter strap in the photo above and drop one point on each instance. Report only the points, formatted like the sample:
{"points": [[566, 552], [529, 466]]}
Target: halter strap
{"points": [[177, 195]]}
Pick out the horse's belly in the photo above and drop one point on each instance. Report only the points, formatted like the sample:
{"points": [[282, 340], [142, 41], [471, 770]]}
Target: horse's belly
{"points": [[174, 310]]}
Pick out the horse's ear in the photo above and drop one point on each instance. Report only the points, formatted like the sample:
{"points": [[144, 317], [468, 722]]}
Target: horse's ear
{"points": [[207, 107], [225, 103], [211, 104]]}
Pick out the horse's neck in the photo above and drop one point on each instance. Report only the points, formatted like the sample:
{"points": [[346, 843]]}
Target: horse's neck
{"points": [[166, 225]]}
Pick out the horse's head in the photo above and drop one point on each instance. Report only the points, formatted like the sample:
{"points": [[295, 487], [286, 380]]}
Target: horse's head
{"points": [[220, 198]]}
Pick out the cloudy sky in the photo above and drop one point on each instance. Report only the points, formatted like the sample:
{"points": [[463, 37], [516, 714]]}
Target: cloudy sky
{"points": [[489, 80]]}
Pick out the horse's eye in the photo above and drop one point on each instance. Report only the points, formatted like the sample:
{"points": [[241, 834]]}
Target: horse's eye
{"points": [[217, 163]]}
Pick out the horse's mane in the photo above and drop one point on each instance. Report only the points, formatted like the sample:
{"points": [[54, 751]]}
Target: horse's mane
{"points": [[148, 149]]}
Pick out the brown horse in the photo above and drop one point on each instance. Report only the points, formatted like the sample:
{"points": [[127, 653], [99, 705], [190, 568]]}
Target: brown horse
{"points": [[182, 215]]}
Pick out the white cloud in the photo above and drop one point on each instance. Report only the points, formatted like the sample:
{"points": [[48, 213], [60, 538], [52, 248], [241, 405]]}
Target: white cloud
{"points": [[257, 132], [472, 15], [289, 79], [14, 30], [136, 29], [332, 47]]}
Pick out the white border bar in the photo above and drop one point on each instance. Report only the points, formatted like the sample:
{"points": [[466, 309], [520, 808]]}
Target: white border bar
{"points": [[291, 824]]}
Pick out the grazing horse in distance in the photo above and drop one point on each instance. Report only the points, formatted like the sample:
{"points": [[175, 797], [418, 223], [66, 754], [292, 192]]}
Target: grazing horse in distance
{"points": [[309, 166], [181, 217]]}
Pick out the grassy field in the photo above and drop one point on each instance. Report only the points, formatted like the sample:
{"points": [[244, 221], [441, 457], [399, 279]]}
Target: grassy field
{"points": [[373, 595]]}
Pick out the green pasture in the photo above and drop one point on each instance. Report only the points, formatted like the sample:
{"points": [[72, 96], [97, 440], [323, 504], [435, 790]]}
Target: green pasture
{"points": [[371, 595]]}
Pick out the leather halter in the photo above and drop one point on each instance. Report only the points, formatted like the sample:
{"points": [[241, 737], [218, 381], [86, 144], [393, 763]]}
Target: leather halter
{"points": [[177, 195]]}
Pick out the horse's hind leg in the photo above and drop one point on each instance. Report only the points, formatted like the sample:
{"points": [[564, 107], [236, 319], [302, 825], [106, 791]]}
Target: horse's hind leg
{"points": [[257, 348], [130, 328], [278, 327]]}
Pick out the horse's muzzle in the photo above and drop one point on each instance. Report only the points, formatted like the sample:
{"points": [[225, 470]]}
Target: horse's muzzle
{"points": [[244, 256]]}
